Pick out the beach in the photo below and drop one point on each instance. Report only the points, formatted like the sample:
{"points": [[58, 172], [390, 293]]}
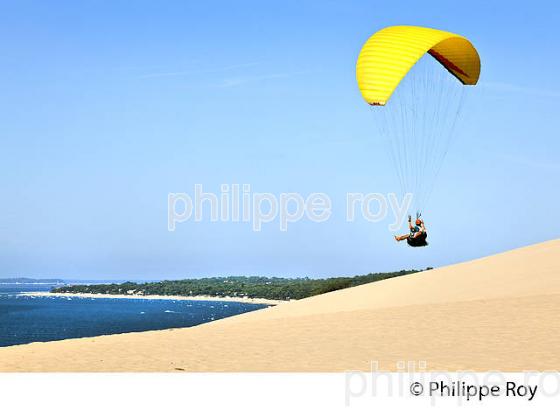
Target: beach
{"points": [[259, 301], [497, 313]]}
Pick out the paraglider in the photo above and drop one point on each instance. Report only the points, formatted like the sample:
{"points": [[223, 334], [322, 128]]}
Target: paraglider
{"points": [[418, 234], [414, 78]]}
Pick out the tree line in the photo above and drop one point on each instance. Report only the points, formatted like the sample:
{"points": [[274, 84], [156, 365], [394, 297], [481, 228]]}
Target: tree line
{"points": [[273, 288]]}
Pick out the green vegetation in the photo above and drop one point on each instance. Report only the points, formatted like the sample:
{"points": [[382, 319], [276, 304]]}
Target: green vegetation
{"points": [[235, 286]]}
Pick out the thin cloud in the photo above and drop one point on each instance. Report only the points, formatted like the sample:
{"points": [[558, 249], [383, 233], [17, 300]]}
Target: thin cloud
{"points": [[530, 162], [238, 81], [514, 88], [199, 71]]}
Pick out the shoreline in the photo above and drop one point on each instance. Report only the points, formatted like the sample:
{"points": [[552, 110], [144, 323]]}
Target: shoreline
{"points": [[255, 301]]}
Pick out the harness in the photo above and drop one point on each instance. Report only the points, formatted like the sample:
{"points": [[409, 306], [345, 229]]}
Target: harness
{"points": [[420, 240]]}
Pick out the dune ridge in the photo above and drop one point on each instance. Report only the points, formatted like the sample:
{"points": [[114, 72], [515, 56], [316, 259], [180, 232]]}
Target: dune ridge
{"points": [[500, 312]]}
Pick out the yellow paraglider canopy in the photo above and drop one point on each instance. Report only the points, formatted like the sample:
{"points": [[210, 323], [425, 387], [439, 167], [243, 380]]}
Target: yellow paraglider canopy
{"points": [[390, 53]]}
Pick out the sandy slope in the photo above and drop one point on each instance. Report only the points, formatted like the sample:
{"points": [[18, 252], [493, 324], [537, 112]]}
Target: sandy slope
{"points": [[496, 313]]}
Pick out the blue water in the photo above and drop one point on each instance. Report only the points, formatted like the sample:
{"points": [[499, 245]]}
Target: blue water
{"points": [[26, 319]]}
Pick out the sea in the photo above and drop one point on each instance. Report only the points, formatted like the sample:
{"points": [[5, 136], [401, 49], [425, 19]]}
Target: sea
{"points": [[27, 319]]}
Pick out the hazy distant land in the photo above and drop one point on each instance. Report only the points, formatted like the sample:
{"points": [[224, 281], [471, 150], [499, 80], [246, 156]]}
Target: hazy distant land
{"points": [[31, 281]]}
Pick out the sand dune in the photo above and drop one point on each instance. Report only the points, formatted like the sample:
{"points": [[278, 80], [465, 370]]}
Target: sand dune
{"points": [[496, 313]]}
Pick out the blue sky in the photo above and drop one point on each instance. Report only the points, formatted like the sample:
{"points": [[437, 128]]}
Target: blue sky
{"points": [[106, 107]]}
